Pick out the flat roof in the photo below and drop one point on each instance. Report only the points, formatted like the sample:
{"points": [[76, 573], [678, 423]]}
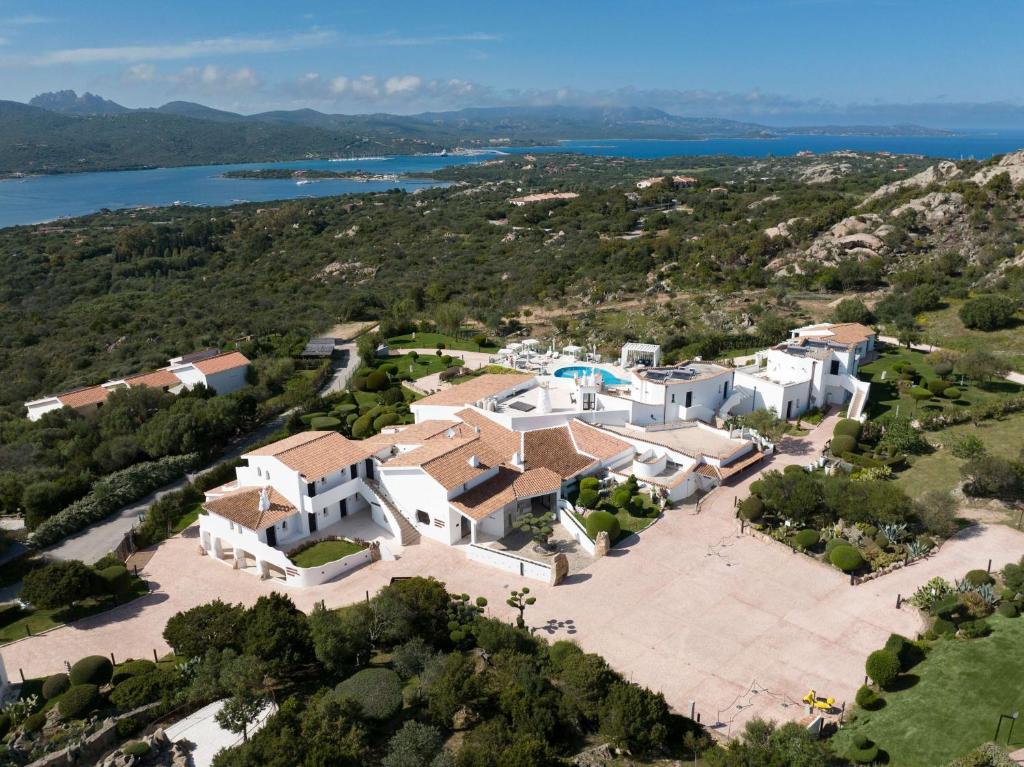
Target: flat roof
{"points": [[693, 441], [682, 373]]}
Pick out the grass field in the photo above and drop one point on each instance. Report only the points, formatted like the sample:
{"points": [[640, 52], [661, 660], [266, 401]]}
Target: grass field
{"points": [[187, 519], [325, 551], [962, 687], [431, 340], [940, 470], [944, 328], [886, 395]]}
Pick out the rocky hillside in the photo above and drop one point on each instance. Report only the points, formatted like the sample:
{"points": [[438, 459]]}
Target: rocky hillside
{"points": [[976, 211]]}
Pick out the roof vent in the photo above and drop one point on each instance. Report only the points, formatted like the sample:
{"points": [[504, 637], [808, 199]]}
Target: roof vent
{"points": [[476, 429], [264, 500], [517, 459], [474, 461], [450, 433]]}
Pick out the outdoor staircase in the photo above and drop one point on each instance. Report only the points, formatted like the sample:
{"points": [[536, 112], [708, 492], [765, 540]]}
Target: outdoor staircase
{"points": [[857, 403], [407, 534], [738, 396]]}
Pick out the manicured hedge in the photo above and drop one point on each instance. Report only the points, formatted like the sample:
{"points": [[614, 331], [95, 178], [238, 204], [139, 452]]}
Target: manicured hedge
{"points": [[377, 690], [752, 508], [868, 699], [846, 558], [56, 685], [848, 427], [587, 498], [590, 483], [978, 578], [943, 627], [883, 666], [805, 539], [325, 423], [138, 690], [863, 751], [92, 669], [111, 493], [308, 417], [78, 701], [115, 579], [601, 521], [833, 543], [843, 444], [385, 419], [937, 386], [1008, 610], [132, 668], [951, 393]]}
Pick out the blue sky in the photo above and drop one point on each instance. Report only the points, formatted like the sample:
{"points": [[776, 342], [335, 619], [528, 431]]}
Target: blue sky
{"points": [[939, 62]]}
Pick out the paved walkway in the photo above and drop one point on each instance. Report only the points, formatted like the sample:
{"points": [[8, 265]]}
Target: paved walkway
{"points": [[206, 737], [689, 607]]}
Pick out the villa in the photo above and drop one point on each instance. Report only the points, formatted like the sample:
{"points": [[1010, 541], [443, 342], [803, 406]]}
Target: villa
{"points": [[482, 453], [223, 372]]}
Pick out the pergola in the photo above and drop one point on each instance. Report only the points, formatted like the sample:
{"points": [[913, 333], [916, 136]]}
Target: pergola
{"points": [[640, 354]]}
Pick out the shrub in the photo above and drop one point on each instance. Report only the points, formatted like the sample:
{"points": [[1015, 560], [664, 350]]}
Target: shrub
{"points": [[111, 493], [377, 690], [848, 427], [637, 506], [978, 578], [843, 444], [752, 508], [135, 748], [805, 539], [393, 396], [1008, 610], [587, 499], [987, 312], [34, 723], [634, 718], [59, 583], [974, 629], [388, 367], [307, 418], [602, 521], [620, 496], [131, 668], [846, 558], [908, 653], [951, 393], [139, 690], [883, 666], [55, 686], [936, 386], [385, 419], [92, 669], [78, 701], [920, 393], [943, 627], [561, 651], [115, 579], [325, 423], [868, 699], [833, 543], [863, 751], [590, 483], [362, 427], [378, 380]]}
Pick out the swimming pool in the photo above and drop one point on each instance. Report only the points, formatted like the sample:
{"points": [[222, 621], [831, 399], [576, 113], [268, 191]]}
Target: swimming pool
{"points": [[584, 370]]}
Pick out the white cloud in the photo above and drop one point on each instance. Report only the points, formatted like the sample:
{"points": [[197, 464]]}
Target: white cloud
{"points": [[403, 84], [25, 20], [219, 46], [393, 40], [140, 73]]}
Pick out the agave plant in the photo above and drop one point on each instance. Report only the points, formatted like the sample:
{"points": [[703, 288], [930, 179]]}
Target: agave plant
{"points": [[915, 550], [894, 532], [962, 587], [986, 592]]}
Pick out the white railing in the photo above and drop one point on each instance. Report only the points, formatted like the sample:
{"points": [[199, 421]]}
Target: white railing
{"points": [[576, 530]]}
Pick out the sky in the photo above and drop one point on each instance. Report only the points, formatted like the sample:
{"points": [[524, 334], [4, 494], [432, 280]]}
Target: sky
{"points": [[941, 63]]}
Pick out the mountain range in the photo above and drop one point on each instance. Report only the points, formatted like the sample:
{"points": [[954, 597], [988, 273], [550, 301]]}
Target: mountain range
{"points": [[62, 131]]}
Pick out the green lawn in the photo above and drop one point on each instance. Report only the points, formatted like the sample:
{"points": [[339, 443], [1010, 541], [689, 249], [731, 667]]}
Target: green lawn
{"points": [[431, 340], [187, 519], [423, 365], [941, 469], [631, 524], [16, 623], [325, 551], [964, 685], [944, 328], [886, 394]]}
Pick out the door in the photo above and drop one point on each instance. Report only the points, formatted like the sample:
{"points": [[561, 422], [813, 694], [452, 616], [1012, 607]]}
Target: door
{"points": [[789, 409], [368, 463], [271, 536], [465, 530], [343, 507], [311, 516]]}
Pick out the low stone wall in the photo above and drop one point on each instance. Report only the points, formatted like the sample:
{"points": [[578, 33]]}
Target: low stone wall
{"points": [[89, 749]]}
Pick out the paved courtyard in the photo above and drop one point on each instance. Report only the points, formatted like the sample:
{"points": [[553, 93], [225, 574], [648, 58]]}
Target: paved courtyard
{"points": [[688, 607]]}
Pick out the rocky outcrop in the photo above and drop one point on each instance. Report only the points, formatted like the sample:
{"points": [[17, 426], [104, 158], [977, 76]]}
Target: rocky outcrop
{"points": [[782, 229], [161, 753], [937, 208], [936, 174], [824, 172], [1012, 164]]}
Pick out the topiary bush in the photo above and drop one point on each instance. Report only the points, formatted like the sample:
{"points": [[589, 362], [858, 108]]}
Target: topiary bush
{"points": [[307, 418], [362, 427], [78, 701], [131, 668], [115, 579], [883, 666], [943, 627], [833, 543], [868, 699], [620, 496], [92, 669], [846, 558], [55, 686], [937, 386], [587, 499], [139, 690], [590, 483], [978, 578], [378, 380], [974, 629], [135, 748], [863, 751], [34, 723], [601, 521], [325, 423], [752, 508], [805, 539], [1008, 610], [843, 444], [377, 690], [385, 419], [848, 427], [951, 393]]}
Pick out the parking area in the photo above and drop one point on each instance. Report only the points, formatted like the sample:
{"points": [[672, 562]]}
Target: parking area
{"points": [[737, 625]]}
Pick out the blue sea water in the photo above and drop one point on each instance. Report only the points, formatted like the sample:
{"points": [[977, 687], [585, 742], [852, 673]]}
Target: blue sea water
{"points": [[45, 198]]}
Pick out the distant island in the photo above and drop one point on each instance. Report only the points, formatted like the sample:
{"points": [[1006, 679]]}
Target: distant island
{"points": [[265, 174]]}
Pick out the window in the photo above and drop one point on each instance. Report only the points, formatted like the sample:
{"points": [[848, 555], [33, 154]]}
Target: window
{"points": [[422, 517], [352, 471], [673, 398], [834, 369], [284, 524], [689, 398], [311, 489], [589, 401], [438, 523]]}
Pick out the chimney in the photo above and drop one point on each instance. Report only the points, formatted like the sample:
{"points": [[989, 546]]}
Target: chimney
{"points": [[476, 429], [265, 500], [517, 460], [450, 434], [474, 461]]}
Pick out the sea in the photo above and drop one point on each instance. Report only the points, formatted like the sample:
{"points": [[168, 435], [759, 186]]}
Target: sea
{"points": [[38, 199]]}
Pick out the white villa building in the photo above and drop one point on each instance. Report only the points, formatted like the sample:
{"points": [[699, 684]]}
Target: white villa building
{"points": [[223, 372], [482, 453]]}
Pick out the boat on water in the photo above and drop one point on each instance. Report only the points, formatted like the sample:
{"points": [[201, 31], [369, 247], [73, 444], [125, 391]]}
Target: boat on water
{"points": [[303, 182]]}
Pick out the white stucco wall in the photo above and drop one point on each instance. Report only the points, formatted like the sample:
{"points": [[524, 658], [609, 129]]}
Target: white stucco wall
{"points": [[227, 381]]}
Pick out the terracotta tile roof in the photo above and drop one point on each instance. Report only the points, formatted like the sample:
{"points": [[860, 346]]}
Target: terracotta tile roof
{"points": [[428, 451], [504, 488], [243, 507], [454, 468], [91, 395], [595, 442], [740, 465], [417, 433], [500, 439], [554, 449], [315, 454], [158, 379], [221, 362], [475, 389], [707, 470]]}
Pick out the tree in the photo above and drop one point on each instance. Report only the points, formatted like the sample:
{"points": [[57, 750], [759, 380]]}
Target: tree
{"points": [[411, 608], [520, 601], [415, 745], [211, 626], [538, 525], [765, 423], [278, 632], [992, 476], [58, 584], [980, 365], [988, 312], [635, 718], [852, 310], [449, 318], [239, 711], [585, 680], [340, 639], [936, 511], [449, 683], [763, 744]]}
